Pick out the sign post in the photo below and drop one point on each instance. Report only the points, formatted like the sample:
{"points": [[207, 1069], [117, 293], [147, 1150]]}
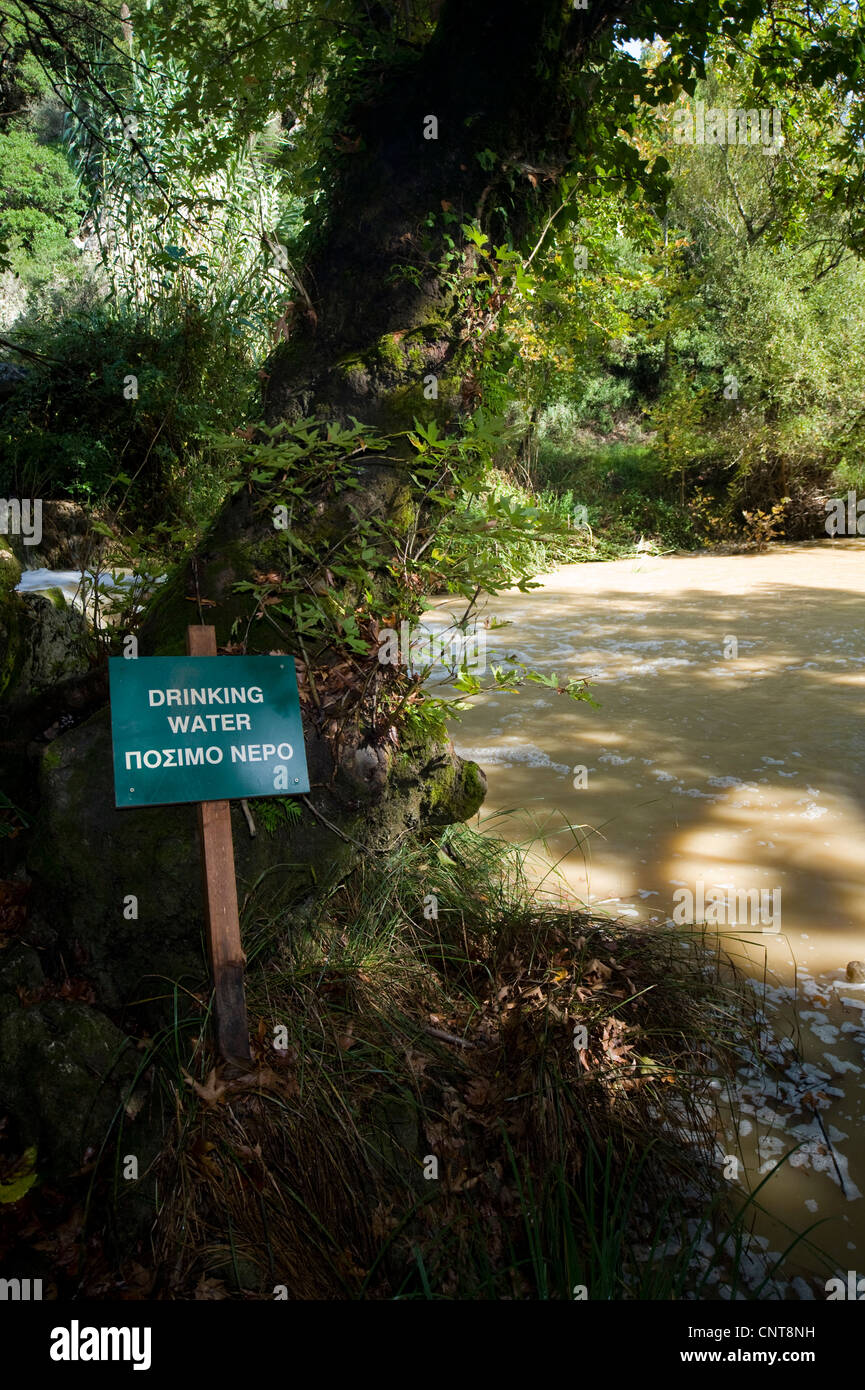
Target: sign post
{"points": [[179, 738], [220, 905]]}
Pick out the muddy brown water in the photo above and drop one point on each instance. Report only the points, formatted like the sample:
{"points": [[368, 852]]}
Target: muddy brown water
{"points": [[728, 751]]}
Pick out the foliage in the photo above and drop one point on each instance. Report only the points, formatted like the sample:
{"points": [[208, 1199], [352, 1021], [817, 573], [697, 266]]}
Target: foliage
{"points": [[169, 232], [764, 527], [580, 1180], [723, 316], [324, 599], [274, 813], [121, 414], [12, 818], [40, 205]]}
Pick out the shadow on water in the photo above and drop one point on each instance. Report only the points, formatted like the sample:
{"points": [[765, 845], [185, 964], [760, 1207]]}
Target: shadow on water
{"points": [[728, 748]]}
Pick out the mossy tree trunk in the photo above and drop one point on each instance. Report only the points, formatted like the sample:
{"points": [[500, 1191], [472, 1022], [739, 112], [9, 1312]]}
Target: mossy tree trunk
{"points": [[474, 126]]}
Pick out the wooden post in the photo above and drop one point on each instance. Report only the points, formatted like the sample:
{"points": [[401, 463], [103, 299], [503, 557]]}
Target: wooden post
{"points": [[220, 905]]}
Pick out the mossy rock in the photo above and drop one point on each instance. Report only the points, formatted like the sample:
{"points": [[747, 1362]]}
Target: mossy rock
{"points": [[51, 644], [64, 1068], [455, 793], [10, 570], [10, 642]]}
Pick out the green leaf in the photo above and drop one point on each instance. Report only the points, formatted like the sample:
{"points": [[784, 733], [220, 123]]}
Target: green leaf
{"points": [[19, 1182]]}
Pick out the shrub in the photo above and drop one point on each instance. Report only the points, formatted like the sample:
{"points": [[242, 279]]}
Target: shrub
{"points": [[122, 415], [40, 205]]}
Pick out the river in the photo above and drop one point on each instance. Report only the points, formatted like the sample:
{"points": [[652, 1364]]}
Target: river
{"points": [[728, 751]]}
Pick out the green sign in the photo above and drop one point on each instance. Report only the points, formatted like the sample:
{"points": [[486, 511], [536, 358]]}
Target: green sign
{"points": [[205, 728]]}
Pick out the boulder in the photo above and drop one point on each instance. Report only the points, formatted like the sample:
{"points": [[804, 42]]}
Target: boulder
{"points": [[11, 377], [65, 1067], [20, 968], [856, 972], [51, 638], [10, 614], [68, 541]]}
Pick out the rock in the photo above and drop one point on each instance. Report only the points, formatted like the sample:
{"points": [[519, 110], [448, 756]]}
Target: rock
{"points": [[51, 645], [10, 616], [57, 1058], [856, 972], [10, 570], [11, 377], [42, 638], [68, 541], [240, 1273], [19, 966]]}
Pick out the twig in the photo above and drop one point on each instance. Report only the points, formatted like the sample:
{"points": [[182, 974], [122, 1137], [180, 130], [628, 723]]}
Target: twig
{"points": [[244, 806], [335, 828], [448, 1037], [27, 352]]}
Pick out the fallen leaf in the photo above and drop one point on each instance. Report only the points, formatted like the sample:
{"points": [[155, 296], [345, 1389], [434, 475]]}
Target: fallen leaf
{"points": [[212, 1090]]}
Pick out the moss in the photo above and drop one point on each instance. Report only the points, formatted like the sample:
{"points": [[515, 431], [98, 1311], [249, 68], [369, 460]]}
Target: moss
{"points": [[11, 656], [456, 793], [171, 611], [404, 405], [10, 570], [55, 597], [441, 787], [167, 619], [403, 510], [51, 759], [388, 353], [474, 788]]}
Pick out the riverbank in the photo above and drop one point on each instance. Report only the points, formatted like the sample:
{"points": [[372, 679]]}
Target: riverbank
{"points": [[459, 1091]]}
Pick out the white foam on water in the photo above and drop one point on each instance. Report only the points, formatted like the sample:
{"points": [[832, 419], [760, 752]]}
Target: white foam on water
{"points": [[523, 753]]}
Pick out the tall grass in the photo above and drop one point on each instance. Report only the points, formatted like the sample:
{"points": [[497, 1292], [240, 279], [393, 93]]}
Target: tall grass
{"points": [[419, 1122]]}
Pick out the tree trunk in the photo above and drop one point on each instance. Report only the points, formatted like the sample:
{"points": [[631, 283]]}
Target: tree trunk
{"points": [[385, 308]]}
